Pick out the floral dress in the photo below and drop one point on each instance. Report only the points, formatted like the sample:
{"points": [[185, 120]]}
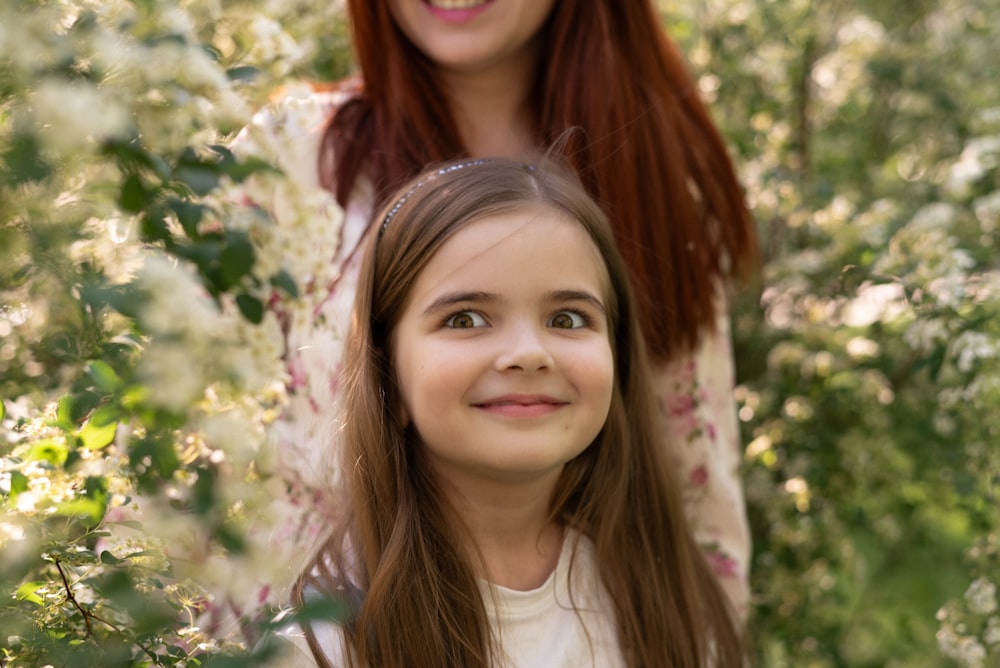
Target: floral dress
{"points": [[320, 242]]}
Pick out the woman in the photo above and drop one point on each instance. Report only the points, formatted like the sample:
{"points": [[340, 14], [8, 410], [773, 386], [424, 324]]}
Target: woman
{"points": [[509, 78]]}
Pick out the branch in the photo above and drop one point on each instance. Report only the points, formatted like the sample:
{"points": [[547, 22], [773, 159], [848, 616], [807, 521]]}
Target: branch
{"points": [[72, 599]]}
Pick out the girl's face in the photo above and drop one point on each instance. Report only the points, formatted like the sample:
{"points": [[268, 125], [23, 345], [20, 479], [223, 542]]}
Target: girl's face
{"points": [[502, 353], [472, 36]]}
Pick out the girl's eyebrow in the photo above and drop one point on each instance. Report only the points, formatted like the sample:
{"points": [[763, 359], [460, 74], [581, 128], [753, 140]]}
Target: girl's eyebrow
{"points": [[449, 299], [576, 296]]}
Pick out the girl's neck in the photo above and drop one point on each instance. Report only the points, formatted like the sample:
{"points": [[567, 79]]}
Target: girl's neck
{"points": [[511, 531], [492, 109]]}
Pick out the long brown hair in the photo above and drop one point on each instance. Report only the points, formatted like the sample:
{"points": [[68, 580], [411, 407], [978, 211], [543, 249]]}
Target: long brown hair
{"points": [[648, 152], [421, 603]]}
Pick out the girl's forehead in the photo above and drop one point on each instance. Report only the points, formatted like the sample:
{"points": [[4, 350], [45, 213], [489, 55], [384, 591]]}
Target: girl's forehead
{"points": [[533, 242]]}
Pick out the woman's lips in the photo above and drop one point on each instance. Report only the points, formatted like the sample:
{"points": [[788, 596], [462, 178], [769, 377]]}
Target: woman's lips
{"points": [[457, 11]]}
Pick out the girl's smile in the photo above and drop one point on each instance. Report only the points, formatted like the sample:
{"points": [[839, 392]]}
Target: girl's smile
{"points": [[521, 405]]}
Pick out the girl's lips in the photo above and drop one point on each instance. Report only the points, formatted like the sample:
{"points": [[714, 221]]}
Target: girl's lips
{"points": [[521, 406]]}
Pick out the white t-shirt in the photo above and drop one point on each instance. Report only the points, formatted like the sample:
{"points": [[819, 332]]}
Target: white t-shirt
{"points": [[568, 622]]}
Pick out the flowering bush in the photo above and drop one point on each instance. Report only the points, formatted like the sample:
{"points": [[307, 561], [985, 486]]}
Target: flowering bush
{"points": [[147, 511], [869, 137], [144, 506]]}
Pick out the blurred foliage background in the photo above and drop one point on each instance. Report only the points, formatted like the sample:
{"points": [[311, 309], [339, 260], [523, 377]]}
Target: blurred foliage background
{"points": [[869, 140], [868, 137]]}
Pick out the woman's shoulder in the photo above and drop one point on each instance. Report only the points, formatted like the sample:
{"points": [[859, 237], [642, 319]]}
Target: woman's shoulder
{"points": [[288, 131]]}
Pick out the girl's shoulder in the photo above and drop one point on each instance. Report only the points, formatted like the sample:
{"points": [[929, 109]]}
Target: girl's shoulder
{"points": [[293, 649]]}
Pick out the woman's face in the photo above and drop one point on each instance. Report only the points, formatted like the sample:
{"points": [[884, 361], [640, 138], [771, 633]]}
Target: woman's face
{"points": [[473, 36]]}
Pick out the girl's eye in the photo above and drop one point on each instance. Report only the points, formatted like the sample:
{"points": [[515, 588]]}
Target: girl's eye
{"points": [[567, 320], [465, 320]]}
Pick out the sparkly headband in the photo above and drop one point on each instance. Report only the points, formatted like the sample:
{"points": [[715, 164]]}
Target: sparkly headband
{"points": [[409, 193]]}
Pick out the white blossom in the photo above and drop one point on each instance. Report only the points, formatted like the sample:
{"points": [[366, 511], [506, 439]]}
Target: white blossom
{"points": [[981, 596], [992, 633], [73, 114], [971, 346]]}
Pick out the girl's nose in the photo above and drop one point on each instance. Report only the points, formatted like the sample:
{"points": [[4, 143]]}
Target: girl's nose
{"points": [[523, 348]]}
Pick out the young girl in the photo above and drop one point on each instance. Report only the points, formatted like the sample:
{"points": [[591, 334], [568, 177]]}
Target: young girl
{"points": [[508, 77], [508, 503]]}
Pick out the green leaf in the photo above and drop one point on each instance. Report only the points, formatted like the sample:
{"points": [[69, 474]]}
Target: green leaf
{"points": [[203, 491], [163, 459], [90, 509], [242, 73], [94, 437], [284, 281], [64, 413], [153, 226], [104, 376], [239, 171], [188, 214], [90, 506], [3, 409], [18, 484], [26, 592], [236, 261], [49, 450], [109, 559], [251, 308], [230, 539], [99, 431], [125, 299], [134, 195], [201, 179], [23, 160]]}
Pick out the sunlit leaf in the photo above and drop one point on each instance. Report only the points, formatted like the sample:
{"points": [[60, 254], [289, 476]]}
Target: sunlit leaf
{"points": [[18, 484], [91, 509], [26, 592], [99, 430], [49, 450], [64, 413]]}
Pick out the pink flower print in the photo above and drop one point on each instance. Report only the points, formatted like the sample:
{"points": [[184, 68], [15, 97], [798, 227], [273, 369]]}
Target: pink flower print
{"points": [[680, 410], [698, 476], [723, 565], [296, 374], [678, 405]]}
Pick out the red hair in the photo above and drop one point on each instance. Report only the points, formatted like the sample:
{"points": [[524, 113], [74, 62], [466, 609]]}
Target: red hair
{"points": [[647, 149]]}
